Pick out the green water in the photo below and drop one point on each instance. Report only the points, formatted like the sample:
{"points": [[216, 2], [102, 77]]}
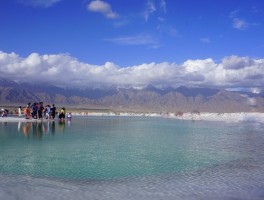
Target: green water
{"points": [[96, 148]]}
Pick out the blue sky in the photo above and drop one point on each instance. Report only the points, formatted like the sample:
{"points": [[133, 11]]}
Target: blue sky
{"points": [[147, 41]]}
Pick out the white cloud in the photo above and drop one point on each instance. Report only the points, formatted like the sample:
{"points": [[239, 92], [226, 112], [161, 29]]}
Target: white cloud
{"points": [[235, 62], [134, 40], [237, 22], [102, 7], [240, 24], [234, 14], [40, 3], [150, 8], [62, 69], [163, 6], [199, 65]]}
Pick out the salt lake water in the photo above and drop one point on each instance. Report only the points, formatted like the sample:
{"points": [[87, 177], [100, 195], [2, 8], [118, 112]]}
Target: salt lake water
{"points": [[131, 158]]}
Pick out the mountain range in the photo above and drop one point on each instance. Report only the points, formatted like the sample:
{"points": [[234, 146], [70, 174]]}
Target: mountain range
{"points": [[144, 99]]}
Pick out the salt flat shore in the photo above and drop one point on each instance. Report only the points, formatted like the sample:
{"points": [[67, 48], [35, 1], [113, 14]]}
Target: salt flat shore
{"points": [[225, 117]]}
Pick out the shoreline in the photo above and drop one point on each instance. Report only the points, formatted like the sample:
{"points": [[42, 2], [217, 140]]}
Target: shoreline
{"points": [[224, 117]]}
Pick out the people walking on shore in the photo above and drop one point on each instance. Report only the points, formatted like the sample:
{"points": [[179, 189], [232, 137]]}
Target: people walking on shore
{"points": [[62, 114], [69, 116], [47, 112], [40, 109], [4, 112], [27, 112], [19, 111], [34, 110], [53, 111]]}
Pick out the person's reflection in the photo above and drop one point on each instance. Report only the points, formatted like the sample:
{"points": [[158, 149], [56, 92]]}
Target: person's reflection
{"points": [[19, 126], [44, 128], [62, 125], [26, 129], [39, 132], [4, 123], [53, 127], [48, 127], [34, 128], [69, 123], [37, 129]]}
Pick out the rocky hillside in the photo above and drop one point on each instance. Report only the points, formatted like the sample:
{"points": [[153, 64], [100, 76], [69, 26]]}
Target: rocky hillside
{"points": [[146, 99]]}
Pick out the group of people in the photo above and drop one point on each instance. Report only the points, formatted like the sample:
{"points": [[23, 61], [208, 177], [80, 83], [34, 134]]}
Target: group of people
{"points": [[38, 111]]}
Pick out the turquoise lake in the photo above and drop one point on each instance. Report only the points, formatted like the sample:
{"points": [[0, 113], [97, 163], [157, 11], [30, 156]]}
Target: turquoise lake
{"points": [[131, 158]]}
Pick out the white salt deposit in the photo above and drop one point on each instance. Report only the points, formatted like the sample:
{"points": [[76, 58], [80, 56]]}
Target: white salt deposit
{"points": [[226, 117]]}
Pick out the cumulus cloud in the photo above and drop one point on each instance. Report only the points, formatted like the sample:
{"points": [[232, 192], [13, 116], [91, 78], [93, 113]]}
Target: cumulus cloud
{"points": [[235, 62], [63, 69], [103, 8]]}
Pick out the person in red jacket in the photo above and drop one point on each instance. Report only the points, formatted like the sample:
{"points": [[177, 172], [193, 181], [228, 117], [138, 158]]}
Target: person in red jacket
{"points": [[27, 112]]}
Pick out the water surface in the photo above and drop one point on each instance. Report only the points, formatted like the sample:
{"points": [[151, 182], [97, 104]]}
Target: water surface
{"points": [[129, 157]]}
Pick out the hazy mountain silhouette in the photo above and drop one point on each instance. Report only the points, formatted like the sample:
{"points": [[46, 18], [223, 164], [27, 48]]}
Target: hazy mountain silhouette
{"points": [[148, 98]]}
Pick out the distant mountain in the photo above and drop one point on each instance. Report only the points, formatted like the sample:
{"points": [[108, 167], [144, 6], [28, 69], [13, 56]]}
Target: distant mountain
{"points": [[149, 98], [193, 92]]}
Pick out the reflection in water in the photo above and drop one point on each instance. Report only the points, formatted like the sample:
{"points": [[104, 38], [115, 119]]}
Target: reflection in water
{"points": [[18, 126], [62, 125], [39, 128], [26, 129], [4, 123]]}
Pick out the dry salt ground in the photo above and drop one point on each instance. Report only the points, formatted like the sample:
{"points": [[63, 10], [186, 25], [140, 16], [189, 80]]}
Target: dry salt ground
{"points": [[225, 117]]}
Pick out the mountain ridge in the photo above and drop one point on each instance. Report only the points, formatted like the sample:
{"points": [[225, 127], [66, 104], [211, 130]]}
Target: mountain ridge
{"points": [[148, 98]]}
